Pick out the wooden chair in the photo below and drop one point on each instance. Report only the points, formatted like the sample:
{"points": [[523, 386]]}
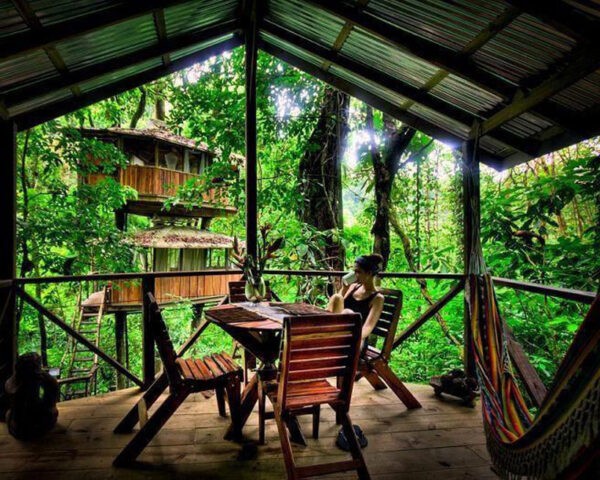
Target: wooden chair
{"points": [[314, 348], [237, 295], [374, 363], [185, 376]]}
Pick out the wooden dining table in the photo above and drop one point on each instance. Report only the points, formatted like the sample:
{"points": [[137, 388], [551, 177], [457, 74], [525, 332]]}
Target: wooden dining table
{"points": [[258, 328]]}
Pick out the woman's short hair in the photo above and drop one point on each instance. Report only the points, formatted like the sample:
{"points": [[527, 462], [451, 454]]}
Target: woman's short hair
{"points": [[370, 263]]}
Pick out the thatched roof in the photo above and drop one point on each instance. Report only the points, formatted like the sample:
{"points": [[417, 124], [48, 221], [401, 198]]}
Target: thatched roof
{"points": [[180, 237], [154, 132]]}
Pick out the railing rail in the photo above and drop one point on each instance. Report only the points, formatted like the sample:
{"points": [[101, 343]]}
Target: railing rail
{"points": [[551, 291]]}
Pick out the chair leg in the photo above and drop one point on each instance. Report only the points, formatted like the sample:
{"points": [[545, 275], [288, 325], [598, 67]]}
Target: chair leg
{"points": [[234, 399], [143, 437], [286, 447], [338, 415], [389, 377], [261, 413], [373, 379], [150, 396], [355, 450], [316, 420], [221, 401]]}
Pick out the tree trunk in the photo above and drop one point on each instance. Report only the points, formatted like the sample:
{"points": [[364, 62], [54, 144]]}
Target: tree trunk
{"points": [[385, 168], [139, 111], [320, 175]]}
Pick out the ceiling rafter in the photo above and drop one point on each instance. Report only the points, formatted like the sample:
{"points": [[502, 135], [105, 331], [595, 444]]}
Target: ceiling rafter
{"points": [[372, 100], [59, 108], [22, 43], [165, 47], [443, 58], [583, 62], [33, 22], [161, 32], [391, 83]]}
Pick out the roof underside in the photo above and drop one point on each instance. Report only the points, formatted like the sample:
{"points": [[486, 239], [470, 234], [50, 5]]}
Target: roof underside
{"points": [[180, 237], [525, 74]]}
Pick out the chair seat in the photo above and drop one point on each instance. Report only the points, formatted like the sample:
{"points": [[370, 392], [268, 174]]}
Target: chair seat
{"points": [[371, 353], [210, 368], [301, 394]]}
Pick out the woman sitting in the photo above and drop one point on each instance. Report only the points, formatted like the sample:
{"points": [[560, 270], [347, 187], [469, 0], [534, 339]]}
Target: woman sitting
{"points": [[361, 296]]}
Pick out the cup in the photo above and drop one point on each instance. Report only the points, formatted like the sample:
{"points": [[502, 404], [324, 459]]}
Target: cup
{"points": [[349, 278]]}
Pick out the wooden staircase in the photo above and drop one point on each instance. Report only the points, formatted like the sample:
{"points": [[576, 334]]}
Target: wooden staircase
{"points": [[82, 365]]}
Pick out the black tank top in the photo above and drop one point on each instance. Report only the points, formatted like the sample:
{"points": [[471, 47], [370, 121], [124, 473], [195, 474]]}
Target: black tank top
{"points": [[359, 306]]}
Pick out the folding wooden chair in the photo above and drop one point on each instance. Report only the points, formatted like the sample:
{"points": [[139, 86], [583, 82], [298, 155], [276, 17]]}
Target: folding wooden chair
{"points": [[314, 348], [374, 363], [185, 376]]}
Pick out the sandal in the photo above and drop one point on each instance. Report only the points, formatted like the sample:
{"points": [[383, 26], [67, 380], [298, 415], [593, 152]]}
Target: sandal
{"points": [[342, 441]]}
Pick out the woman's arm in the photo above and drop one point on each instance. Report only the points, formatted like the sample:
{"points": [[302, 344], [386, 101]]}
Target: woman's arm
{"points": [[344, 290], [373, 317]]}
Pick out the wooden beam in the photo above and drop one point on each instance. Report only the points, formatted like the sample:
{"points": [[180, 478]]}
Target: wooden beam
{"points": [[161, 32], [334, 273], [56, 320], [578, 66], [429, 314], [533, 383], [550, 291], [473, 254], [373, 100], [8, 247], [148, 286], [121, 345], [162, 48], [414, 95], [21, 43], [57, 109], [251, 39]]}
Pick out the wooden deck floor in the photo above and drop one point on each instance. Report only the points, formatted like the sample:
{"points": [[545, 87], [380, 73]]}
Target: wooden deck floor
{"points": [[443, 440]]}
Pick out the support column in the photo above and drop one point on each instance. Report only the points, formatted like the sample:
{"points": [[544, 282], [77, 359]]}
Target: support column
{"points": [[8, 249], [147, 337], [251, 161], [473, 255], [121, 345]]}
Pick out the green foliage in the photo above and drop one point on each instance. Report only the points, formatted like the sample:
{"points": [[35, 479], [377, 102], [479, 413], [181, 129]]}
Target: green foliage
{"points": [[67, 227]]}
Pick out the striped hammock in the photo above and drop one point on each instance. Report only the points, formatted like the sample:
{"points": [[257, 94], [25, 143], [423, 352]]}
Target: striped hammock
{"points": [[564, 437]]}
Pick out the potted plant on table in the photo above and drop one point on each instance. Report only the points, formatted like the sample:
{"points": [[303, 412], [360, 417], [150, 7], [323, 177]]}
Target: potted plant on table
{"points": [[256, 289]]}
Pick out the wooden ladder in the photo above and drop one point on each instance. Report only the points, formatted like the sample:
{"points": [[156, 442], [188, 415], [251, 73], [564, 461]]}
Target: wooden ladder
{"points": [[83, 365]]}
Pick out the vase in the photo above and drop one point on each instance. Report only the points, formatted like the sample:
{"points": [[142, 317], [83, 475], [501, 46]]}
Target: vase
{"points": [[255, 291]]}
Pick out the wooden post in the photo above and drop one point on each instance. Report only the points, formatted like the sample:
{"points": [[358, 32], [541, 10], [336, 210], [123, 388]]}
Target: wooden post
{"points": [[121, 220], [8, 247], [121, 345], [251, 162], [473, 255], [148, 284]]}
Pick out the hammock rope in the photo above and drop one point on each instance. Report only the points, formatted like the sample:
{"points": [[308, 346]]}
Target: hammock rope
{"points": [[566, 431]]}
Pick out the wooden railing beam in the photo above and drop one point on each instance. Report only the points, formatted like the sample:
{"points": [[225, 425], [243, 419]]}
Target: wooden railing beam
{"points": [[76, 335], [557, 292], [148, 286], [429, 313]]}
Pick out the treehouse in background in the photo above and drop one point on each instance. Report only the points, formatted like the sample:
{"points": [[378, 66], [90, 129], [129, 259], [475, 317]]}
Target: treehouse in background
{"points": [[159, 162]]}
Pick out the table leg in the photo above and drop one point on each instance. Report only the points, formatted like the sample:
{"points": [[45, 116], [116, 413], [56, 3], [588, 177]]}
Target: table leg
{"points": [[249, 399]]}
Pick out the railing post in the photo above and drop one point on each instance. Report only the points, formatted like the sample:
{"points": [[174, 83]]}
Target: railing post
{"points": [[148, 286], [121, 345], [8, 249]]}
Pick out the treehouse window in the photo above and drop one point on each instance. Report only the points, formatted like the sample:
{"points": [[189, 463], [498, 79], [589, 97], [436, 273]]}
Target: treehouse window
{"points": [[193, 259], [167, 260], [217, 258]]}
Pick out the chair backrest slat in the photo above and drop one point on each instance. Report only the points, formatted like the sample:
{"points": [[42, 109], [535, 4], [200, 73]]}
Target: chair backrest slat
{"points": [[316, 347], [163, 342], [388, 321]]}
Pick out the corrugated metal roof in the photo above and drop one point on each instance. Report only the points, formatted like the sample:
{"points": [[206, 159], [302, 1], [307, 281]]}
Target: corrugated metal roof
{"points": [[524, 48], [477, 56], [50, 12], [106, 43], [449, 24], [195, 15]]}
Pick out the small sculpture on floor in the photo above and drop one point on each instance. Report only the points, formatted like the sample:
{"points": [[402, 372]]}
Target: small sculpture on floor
{"points": [[32, 395], [457, 384]]}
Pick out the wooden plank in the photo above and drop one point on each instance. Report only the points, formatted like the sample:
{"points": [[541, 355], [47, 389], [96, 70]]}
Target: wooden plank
{"points": [[8, 247], [148, 286], [533, 383], [251, 37], [558, 292]]}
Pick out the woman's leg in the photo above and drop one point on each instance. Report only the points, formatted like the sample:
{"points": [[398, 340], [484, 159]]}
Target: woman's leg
{"points": [[336, 303]]}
